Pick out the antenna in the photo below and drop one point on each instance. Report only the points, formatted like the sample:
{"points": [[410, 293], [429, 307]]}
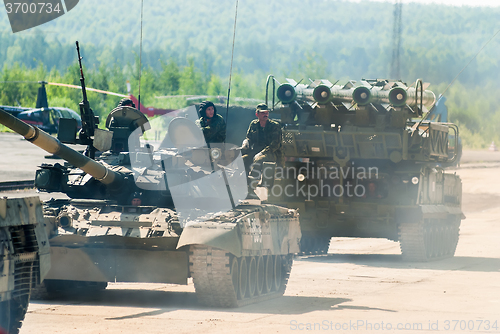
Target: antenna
{"points": [[231, 67], [140, 61], [396, 40]]}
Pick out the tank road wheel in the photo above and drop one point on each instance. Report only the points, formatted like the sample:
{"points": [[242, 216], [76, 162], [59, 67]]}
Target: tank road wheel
{"points": [[269, 274], [223, 280], [252, 276], [243, 278], [429, 238], [235, 273], [261, 275], [278, 268]]}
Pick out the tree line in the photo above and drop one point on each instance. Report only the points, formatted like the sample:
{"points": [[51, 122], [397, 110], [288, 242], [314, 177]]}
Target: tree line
{"points": [[187, 51]]}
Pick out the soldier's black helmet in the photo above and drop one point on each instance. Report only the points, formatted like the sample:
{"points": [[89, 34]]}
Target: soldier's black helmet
{"points": [[203, 108], [126, 102]]}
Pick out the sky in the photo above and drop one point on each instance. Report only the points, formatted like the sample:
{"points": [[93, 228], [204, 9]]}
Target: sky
{"points": [[488, 3]]}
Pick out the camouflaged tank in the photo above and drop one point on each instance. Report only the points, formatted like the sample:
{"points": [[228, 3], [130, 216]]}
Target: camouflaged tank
{"points": [[139, 214], [24, 257], [362, 161]]}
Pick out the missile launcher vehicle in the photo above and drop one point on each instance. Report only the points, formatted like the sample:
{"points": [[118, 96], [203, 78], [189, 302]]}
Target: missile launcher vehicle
{"points": [[24, 257], [362, 161], [140, 214]]}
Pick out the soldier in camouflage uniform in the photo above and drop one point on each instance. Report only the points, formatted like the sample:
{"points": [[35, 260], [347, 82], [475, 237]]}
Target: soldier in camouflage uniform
{"points": [[263, 141], [211, 123]]}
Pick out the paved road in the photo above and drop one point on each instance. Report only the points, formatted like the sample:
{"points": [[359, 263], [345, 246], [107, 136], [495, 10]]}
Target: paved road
{"points": [[20, 159], [361, 286]]}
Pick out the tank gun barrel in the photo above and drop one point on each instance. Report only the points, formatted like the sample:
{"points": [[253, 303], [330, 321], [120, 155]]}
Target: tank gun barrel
{"points": [[54, 146]]}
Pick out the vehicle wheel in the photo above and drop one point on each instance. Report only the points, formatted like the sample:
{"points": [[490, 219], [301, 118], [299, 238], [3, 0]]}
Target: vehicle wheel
{"points": [[243, 278], [235, 274], [278, 272], [261, 275], [268, 286], [252, 276]]}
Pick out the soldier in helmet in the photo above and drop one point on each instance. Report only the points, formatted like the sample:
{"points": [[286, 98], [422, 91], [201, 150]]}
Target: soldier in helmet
{"points": [[263, 141], [211, 123], [126, 102]]}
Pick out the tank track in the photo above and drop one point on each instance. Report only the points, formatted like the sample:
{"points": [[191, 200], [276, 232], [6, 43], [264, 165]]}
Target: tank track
{"points": [[429, 239], [223, 280], [11, 317], [314, 244]]}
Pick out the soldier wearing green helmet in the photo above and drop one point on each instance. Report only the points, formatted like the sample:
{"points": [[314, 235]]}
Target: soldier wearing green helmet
{"points": [[263, 140]]}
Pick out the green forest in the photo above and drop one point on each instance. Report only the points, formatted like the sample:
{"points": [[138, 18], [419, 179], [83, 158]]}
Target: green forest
{"points": [[186, 50]]}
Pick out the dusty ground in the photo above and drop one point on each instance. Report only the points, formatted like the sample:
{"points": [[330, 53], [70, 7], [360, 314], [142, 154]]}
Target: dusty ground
{"points": [[360, 286]]}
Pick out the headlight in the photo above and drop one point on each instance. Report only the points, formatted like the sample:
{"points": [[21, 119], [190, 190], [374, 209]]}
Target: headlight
{"points": [[414, 180], [65, 221]]}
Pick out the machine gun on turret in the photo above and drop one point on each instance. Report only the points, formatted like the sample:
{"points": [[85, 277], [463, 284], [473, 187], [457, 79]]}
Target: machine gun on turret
{"points": [[89, 120], [67, 130]]}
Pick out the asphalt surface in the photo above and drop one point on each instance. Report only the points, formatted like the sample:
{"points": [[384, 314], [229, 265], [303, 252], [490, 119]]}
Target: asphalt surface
{"points": [[20, 159]]}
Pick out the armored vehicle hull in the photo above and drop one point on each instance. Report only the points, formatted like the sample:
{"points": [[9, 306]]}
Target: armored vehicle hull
{"points": [[420, 208], [24, 257], [241, 257]]}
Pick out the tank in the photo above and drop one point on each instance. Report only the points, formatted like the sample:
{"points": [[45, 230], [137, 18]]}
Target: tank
{"points": [[24, 258], [137, 213], [362, 161]]}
